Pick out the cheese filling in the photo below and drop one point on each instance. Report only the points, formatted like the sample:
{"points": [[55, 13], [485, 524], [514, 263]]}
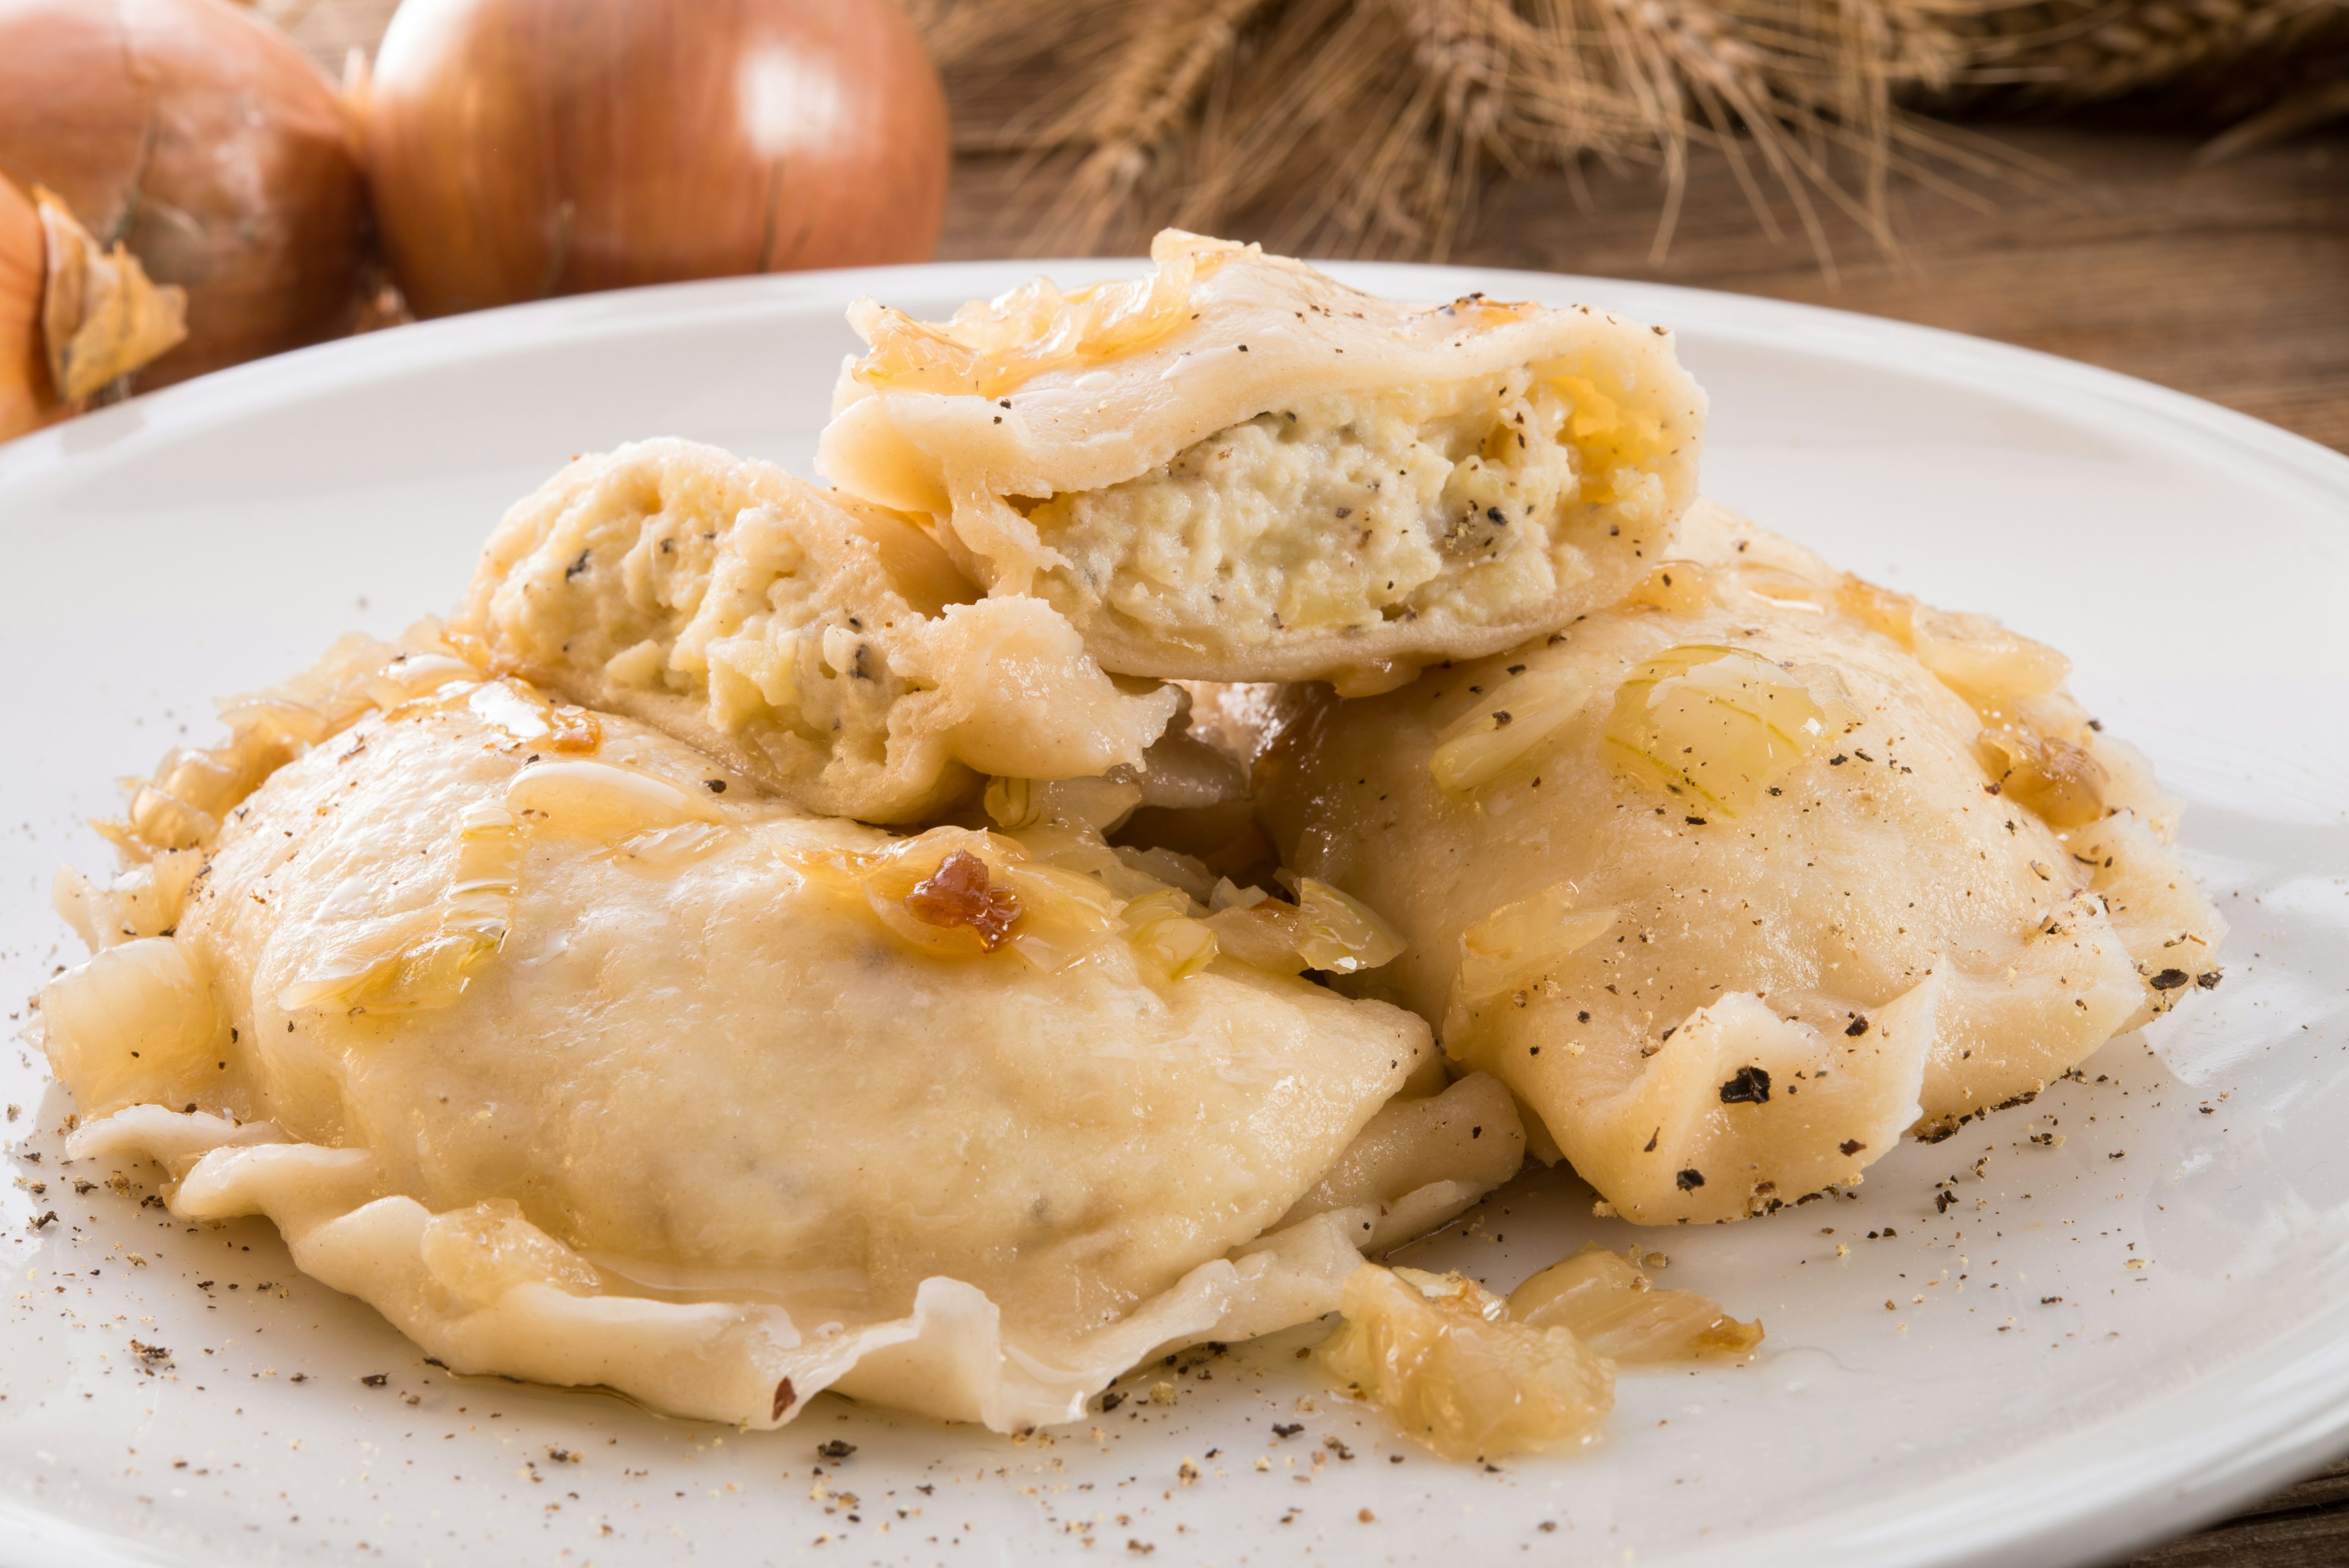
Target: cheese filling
{"points": [[1464, 500]]}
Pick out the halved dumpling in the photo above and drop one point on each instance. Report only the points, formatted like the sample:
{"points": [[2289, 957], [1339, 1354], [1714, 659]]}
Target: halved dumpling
{"points": [[823, 647], [1239, 469], [581, 1068], [1734, 881]]}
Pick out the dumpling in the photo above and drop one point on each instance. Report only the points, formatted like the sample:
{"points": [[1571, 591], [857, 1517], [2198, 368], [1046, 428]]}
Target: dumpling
{"points": [[1239, 469], [823, 646], [547, 1035], [1736, 881]]}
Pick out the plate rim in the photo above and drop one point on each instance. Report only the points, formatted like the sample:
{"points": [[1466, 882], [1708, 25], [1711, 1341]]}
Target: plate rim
{"points": [[2194, 1452]]}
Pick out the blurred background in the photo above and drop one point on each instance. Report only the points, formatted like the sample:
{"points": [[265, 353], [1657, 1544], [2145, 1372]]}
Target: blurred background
{"points": [[2158, 186]]}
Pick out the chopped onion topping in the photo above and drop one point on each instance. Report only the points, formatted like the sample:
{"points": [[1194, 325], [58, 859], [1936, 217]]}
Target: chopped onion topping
{"points": [[132, 1013], [1507, 950], [1520, 714], [602, 800], [1339, 932], [1717, 724], [1440, 1353], [425, 958], [1612, 1306], [992, 348], [958, 893]]}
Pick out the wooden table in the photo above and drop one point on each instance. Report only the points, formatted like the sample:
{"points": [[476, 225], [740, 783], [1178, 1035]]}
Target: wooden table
{"points": [[2231, 283]]}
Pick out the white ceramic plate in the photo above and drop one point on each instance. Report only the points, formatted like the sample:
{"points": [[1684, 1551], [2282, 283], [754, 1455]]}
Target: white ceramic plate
{"points": [[2000, 1382]]}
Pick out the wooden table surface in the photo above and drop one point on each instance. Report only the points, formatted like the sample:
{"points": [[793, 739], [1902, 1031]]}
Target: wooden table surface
{"points": [[2230, 282]]}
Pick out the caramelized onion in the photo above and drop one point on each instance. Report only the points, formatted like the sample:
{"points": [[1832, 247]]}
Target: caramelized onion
{"points": [[207, 142], [959, 894], [520, 149]]}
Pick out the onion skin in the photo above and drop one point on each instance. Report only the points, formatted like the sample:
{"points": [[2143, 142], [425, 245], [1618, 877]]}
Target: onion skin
{"points": [[207, 142], [520, 149], [25, 399]]}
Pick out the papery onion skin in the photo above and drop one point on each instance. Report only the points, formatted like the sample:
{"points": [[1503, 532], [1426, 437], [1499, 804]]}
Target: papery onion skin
{"points": [[520, 149], [208, 143], [26, 399]]}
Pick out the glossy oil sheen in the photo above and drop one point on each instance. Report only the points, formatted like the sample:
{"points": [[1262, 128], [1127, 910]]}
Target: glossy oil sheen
{"points": [[2059, 1408]]}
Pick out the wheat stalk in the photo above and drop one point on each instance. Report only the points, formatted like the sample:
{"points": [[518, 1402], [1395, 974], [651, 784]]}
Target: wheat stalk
{"points": [[1377, 122]]}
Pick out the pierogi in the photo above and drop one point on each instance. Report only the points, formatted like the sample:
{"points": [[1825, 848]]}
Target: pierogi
{"points": [[1235, 765], [1738, 880], [824, 647], [1239, 469], [553, 1039]]}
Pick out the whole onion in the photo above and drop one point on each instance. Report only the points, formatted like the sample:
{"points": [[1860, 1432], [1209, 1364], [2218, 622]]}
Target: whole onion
{"points": [[520, 149], [204, 139]]}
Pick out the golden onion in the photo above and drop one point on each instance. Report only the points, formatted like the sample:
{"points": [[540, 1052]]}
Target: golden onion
{"points": [[199, 137], [1718, 724], [521, 149], [1440, 1353], [1613, 1307]]}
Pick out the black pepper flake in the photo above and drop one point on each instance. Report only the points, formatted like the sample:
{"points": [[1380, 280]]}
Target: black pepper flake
{"points": [[838, 1449], [2208, 979], [1837, 760], [376, 1379], [1749, 1086], [1111, 1400], [1583, 1017], [1289, 1431], [1851, 1146], [2168, 979], [715, 787], [1652, 1141], [1855, 1028], [1694, 821], [578, 565], [1505, 718], [1690, 1180]]}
